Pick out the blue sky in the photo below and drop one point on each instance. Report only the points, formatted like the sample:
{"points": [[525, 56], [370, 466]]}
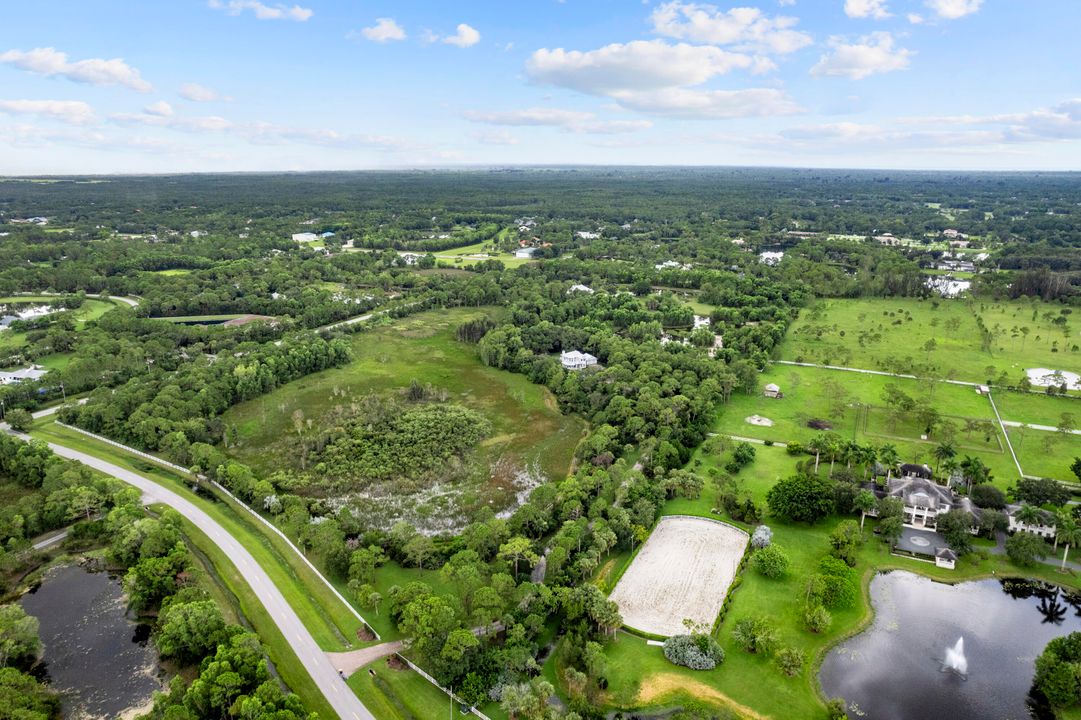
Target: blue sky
{"points": [[239, 85]]}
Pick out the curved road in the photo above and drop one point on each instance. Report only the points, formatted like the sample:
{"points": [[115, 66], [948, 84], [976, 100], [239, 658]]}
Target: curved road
{"points": [[318, 664]]}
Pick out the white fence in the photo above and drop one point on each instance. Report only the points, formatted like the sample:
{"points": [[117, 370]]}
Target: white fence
{"points": [[433, 681], [219, 486]]}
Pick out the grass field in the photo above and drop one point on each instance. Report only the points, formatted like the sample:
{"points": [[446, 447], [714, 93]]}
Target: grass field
{"points": [[1046, 454], [864, 333], [807, 395], [405, 695], [1036, 408], [387, 577], [328, 620], [529, 435], [468, 254]]}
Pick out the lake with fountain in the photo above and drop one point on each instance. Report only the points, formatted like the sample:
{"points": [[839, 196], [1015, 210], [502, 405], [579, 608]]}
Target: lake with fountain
{"points": [[99, 659], [963, 652]]}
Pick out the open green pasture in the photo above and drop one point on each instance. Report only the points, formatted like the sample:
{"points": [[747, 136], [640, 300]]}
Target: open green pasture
{"points": [[1037, 408], [468, 254], [1046, 454], [811, 394], [865, 333], [529, 434]]}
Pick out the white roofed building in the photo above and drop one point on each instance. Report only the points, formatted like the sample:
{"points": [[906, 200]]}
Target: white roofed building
{"points": [[34, 372], [576, 360]]}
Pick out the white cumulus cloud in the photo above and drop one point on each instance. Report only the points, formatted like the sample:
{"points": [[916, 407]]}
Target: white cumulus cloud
{"points": [[953, 9], [867, 9], [384, 30], [745, 28], [658, 77], [871, 55], [466, 36], [198, 93], [262, 11], [74, 112], [160, 108], [94, 71], [637, 65]]}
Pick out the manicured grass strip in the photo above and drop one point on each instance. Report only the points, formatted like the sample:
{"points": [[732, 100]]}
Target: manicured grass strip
{"points": [[278, 648], [405, 695], [326, 618]]}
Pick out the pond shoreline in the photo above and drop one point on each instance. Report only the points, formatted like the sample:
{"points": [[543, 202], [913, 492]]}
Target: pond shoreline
{"points": [[922, 616]]}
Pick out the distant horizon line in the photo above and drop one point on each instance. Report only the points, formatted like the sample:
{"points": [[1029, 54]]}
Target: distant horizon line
{"points": [[488, 167]]}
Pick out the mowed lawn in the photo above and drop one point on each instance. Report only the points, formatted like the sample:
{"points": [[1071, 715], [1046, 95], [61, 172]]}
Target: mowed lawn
{"points": [[809, 394], [1046, 454], [401, 694], [1037, 408], [865, 332], [528, 429]]}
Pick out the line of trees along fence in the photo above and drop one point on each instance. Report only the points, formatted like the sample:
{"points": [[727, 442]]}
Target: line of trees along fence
{"points": [[415, 668]]}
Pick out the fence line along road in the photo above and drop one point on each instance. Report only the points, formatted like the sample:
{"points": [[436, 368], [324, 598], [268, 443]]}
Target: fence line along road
{"points": [[273, 528], [338, 695], [433, 681]]}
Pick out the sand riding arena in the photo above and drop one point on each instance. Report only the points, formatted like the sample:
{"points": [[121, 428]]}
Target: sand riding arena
{"points": [[683, 571]]}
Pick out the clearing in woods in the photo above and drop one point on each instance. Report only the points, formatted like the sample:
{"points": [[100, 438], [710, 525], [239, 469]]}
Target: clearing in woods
{"points": [[530, 440]]}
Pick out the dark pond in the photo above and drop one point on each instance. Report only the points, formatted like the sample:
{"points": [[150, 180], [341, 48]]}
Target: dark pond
{"points": [[893, 670], [94, 654]]}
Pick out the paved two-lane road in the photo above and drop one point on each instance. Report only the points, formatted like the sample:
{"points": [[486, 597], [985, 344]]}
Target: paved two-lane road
{"points": [[340, 697]]}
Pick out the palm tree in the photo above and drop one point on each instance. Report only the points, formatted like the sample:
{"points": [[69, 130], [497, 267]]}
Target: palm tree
{"points": [[834, 447], [1062, 520], [1069, 532], [865, 502], [974, 470], [949, 467], [887, 454], [1028, 514], [943, 451], [850, 453], [818, 445], [868, 456]]}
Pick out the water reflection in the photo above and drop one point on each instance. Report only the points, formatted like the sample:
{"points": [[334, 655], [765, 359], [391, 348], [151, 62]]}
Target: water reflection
{"points": [[892, 671], [99, 659]]}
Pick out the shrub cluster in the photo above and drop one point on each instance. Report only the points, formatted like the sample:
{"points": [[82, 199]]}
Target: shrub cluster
{"points": [[771, 561], [697, 652]]}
